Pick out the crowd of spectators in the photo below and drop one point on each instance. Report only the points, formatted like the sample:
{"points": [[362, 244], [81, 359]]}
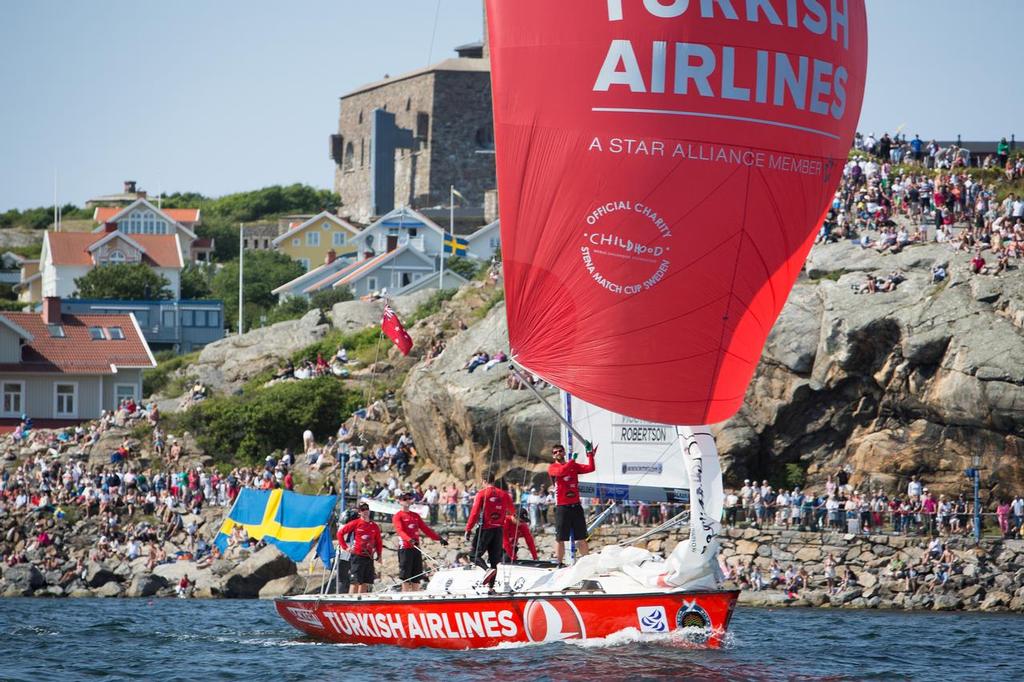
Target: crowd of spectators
{"points": [[899, 193], [841, 507]]}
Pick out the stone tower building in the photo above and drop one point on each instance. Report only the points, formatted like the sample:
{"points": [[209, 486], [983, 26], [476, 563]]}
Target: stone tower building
{"points": [[439, 124]]}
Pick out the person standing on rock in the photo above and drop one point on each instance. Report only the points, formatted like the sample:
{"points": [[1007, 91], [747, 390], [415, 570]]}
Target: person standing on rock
{"points": [[490, 506], [368, 544], [570, 522], [408, 524]]}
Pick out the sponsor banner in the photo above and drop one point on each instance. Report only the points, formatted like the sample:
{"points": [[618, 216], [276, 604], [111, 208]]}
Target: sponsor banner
{"points": [[499, 623], [652, 618], [636, 460]]}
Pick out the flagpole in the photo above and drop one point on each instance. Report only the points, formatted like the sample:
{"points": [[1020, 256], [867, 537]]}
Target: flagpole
{"points": [[241, 267], [451, 231]]}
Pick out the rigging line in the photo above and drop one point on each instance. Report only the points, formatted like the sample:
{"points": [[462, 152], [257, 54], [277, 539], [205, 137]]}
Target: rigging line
{"points": [[433, 34]]}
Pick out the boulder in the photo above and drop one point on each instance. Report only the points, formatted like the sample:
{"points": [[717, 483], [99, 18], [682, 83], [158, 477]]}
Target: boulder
{"points": [[281, 587], [746, 547], [252, 574], [227, 364], [110, 589], [145, 585], [947, 602], [97, 575], [996, 600], [23, 578]]}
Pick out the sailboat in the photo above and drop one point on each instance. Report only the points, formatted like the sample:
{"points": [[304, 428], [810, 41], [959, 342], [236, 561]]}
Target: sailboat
{"points": [[662, 169]]}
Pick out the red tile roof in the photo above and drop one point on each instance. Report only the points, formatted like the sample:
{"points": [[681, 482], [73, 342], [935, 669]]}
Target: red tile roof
{"points": [[182, 215], [72, 248], [77, 352]]}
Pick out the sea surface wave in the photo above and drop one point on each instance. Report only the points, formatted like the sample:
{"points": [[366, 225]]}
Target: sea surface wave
{"points": [[170, 639]]}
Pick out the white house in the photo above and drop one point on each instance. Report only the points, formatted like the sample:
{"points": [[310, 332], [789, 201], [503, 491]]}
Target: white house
{"points": [[400, 227], [485, 241], [318, 278], [143, 218], [69, 368], [67, 256], [392, 271]]}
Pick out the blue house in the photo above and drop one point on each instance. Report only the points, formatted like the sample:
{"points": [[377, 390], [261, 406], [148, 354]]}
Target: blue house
{"points": [[182, 326]]}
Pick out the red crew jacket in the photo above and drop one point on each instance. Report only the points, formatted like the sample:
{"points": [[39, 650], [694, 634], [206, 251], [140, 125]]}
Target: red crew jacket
{"points": [[495, 504], [367, 537], [408, 525], [566, 478], [513, 531]]}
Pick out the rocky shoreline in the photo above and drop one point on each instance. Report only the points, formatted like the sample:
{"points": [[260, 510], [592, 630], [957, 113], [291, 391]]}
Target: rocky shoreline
{"points": [[987, 576]]}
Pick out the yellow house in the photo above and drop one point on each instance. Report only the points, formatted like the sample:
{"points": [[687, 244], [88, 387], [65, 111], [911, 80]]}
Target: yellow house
{"points": [[309, 242]]}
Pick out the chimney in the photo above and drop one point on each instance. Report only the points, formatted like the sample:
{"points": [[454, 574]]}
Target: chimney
{"points": [[129, 187], [331, 256], [51, 310], [110, 227], [141, 194]]}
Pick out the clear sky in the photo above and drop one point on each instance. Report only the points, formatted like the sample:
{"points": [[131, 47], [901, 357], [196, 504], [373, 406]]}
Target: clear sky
{"points": [[225, 95]]}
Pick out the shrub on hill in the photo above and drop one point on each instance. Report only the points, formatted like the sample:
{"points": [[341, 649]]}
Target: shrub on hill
{"points": [[249, 427]]}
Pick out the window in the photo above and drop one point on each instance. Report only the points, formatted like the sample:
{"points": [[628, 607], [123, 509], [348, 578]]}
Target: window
{"points": [[212, 318], [304, 262], [338, 239], [485, 138], [494, 242], [312, 238], [422, 125], [56, 330], [350, 154], [96, 333], [116, 256], [186, 318], [167, 320], [115, 333], [13, 398], [123, 392], [65, 400], [371, 282], [296, 241]]}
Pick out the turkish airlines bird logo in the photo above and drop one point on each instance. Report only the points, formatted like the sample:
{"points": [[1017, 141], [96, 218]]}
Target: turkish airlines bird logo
{"points": [[553, 620]]}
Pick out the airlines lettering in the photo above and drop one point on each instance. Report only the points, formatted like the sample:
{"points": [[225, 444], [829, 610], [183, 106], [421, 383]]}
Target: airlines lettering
{"points": [[737, 73], [457, 625]]}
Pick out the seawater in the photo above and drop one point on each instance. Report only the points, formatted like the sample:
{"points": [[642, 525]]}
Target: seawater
{"points": [[170, 639]]}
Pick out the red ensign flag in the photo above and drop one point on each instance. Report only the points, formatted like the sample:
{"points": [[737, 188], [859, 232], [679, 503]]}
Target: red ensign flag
{"points": [[393, 329]]}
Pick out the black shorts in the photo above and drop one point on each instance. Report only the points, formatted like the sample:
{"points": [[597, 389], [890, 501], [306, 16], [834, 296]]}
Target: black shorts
{"points": [[362, 570], [569, 519], [410, 565]]}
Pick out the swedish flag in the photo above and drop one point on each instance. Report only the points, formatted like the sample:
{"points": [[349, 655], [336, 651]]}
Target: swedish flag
{"points": [[455, 245], [289, 520]]}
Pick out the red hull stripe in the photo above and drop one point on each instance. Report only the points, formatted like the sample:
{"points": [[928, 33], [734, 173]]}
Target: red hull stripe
{"points": [[476, 623]]}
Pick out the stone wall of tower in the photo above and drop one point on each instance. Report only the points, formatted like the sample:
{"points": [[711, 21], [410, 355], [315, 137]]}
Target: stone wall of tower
{"points": [[450, 115]]}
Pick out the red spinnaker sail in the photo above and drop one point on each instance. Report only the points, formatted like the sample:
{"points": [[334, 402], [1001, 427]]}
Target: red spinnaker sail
{"points": [[663, 166]]}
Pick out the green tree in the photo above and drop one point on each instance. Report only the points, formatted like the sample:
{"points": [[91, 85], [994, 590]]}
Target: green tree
{"points": [[467, 267], [292, 308], [253, 425], [195, 281], [325, 299], [131, 282], [264, 272]]}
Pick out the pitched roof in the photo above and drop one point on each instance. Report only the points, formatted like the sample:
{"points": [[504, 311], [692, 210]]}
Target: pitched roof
{"points": [[77, 352], [365, 267], [103, 214], [72, 248], [318, 217], [314, 275], [145, 202]]}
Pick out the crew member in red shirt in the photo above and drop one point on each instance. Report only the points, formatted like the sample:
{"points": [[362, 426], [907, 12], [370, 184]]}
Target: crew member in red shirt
{"points": [[368, 543], [570, 522], [515, 529], [491, 506], [408, 524]]}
